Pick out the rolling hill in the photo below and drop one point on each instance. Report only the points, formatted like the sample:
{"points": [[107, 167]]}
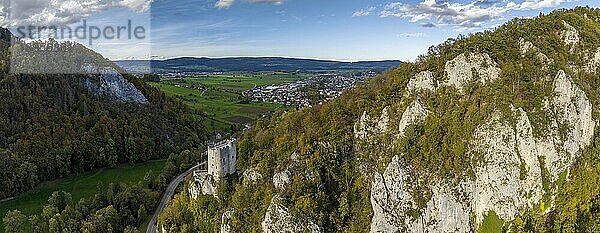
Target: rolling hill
{"points": [[248, 64]]}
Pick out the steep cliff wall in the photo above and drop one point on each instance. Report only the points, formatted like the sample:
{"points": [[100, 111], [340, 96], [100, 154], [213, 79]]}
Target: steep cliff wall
{"points": [[508, 176]]}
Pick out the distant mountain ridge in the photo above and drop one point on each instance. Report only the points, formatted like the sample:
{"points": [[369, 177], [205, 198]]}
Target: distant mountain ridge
{"points": [[256, 64]]}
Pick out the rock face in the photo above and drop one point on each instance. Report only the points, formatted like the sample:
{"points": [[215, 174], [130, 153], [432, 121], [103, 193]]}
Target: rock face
{"points": [[508, 179], [526, 47], [225, 227], [498, 185], [421, 82], [390, 199], [112, 83], [367, 126], [282, 179], [251, 175], [570, 36], [203, 184], [444, 213], [278, 219], [594, 62], [574, 112], [461, 70], [414, 114]]}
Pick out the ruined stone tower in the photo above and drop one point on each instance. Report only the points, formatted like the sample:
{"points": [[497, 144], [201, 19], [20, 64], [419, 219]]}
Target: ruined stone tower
{"points": [[222, 158]]}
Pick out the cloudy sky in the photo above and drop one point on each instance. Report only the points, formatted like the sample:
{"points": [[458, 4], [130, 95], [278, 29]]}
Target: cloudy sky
{"points": [[326, 29]]}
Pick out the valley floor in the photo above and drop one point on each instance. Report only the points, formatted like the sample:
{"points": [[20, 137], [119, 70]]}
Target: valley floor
{"points": [[79, 186]]}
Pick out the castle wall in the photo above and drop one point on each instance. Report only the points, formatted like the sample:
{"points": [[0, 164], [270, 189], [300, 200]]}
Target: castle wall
{"points": [[222, 158]]}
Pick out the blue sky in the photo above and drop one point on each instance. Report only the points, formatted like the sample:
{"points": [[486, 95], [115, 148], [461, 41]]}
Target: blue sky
{"points": [[327, 29]]}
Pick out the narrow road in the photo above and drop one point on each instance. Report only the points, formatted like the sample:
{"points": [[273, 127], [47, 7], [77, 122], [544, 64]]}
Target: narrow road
{"points": [[167, 195]]}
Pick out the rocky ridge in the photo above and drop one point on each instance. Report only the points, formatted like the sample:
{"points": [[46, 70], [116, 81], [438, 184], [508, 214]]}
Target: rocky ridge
{"points": [[509, 178]]}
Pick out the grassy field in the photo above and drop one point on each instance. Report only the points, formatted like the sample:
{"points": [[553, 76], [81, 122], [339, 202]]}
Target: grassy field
{"points": [[81, 186], [220, 96], [242, 81]]}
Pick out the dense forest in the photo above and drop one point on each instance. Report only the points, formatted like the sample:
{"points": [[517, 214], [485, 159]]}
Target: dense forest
{"points": [[331, 178], [52, 125], [117, 208]]}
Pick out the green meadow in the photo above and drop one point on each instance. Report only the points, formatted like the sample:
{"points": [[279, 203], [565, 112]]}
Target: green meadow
{"points": [[80, 186], [220, 96]]}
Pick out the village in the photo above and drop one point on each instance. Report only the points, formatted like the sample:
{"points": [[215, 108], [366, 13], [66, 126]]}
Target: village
{"points": [[308, 92]]}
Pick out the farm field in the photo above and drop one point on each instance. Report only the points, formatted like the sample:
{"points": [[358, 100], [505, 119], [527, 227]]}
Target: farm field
{"points": [[220, 96], [79, 186]]}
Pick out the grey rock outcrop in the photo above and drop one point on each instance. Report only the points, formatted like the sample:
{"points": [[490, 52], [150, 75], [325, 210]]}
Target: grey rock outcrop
{"points": [[367, 126], [282, 179], [444, 213], [392, 202], [225, 227], [574, 112], [251, 175], [415, 113], [112, 83], [422, 81], [498, 186], [390, 198], [526, 47], [278, 220], [204, 184], [460, 70], [570, 36], [594, 62]]}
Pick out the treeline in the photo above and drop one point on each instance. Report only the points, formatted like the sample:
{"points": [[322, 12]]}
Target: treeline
{"points": [[53, 57], [51, 126], [117, 208]]}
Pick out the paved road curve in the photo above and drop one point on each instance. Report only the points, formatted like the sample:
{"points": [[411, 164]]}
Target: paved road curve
{"points": [[167, 195]]}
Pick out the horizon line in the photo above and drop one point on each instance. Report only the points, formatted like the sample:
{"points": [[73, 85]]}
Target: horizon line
{"points": [[285, 57]]}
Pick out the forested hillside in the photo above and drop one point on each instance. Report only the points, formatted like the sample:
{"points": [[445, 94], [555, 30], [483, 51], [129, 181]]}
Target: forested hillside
{"points": [[490, 132], [53, 124]]}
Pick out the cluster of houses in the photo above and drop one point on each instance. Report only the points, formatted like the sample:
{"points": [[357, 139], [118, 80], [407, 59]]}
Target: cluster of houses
{"points": [[325, 86], [193, 87]]}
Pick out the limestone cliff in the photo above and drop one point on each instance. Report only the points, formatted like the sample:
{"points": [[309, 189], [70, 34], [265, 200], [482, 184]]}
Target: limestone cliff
{"points": [[112, 83], [508, 179]]}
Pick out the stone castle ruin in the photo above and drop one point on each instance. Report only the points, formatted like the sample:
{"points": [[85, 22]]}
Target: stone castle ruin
{"points": [[222, 158], [221, 162]]}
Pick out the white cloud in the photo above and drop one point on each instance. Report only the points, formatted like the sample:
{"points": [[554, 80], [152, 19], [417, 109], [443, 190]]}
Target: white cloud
{"points": [[60, 12], [537, 4], [445, 13], [364, 12], [462, 16], [222, 4], [411, 35]]}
